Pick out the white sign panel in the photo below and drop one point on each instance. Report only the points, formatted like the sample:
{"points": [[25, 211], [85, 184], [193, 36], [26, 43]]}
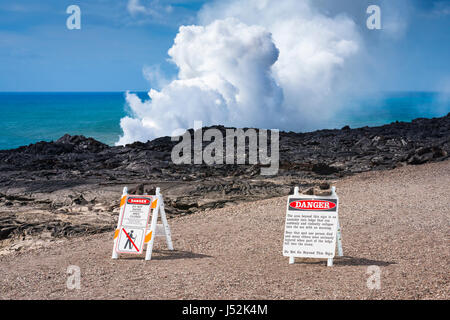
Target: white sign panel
{"points": [[133, 226], [136, 212], [310, 227]]}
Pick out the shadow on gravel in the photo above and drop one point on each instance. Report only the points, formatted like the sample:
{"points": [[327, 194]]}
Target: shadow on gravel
{"points": [[176, 254], [171, 255], [346, 261], [353, 261]]}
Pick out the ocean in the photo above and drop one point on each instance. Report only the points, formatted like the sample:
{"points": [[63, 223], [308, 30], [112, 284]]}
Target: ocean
{"points": [[31, 117]]}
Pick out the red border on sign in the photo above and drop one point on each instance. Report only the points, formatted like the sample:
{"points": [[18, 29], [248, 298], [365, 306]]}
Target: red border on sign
{"points": [[146, 225]]}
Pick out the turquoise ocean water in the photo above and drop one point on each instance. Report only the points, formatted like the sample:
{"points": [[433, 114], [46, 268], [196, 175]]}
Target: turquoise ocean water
{"points": [[30, 117]]}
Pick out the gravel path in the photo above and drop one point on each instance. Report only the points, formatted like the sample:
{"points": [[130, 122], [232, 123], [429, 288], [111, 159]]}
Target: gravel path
{"points": [[397, 220]]}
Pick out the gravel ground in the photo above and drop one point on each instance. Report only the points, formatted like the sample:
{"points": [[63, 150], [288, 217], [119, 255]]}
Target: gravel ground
{"points": [[397, 220]]}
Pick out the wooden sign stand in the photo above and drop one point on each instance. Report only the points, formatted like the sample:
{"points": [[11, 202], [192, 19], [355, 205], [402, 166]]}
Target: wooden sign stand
{"points": [[152, 230]]}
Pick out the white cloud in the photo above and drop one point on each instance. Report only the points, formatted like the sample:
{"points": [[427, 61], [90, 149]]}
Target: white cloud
{"points": [[153, 8], [223, 68], [134, 7], [267, 64]]}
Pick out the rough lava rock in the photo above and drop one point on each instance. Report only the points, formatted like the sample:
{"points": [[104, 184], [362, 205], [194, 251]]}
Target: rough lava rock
{"points": [[46, 172]]}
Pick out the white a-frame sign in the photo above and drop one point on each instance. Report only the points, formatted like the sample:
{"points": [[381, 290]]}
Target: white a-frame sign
{"points": [[312, 227], [138, 224]]}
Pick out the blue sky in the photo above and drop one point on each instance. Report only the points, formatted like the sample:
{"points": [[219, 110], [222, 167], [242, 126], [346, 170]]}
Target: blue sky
{"points": [[38, 52]]}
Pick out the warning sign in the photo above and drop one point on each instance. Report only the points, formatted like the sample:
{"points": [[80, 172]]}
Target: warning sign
{"points": [[134, 228], [311, 226], [133, 225]]}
